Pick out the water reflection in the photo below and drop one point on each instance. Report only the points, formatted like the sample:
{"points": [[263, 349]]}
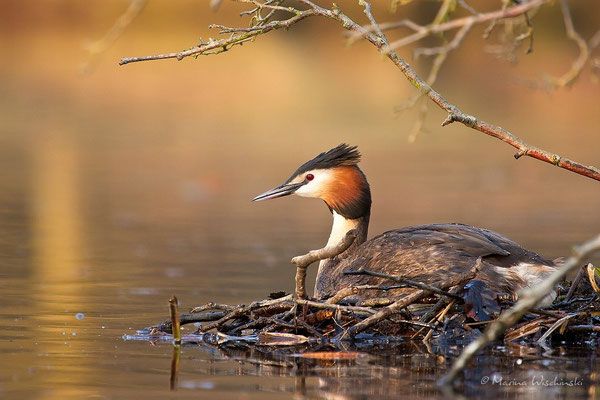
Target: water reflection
{"points": [[108, 248], [410, 369], [57, 231], [58, 247], [113, 248]]}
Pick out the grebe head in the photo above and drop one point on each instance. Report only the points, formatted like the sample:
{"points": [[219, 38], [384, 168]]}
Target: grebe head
{"points": [[332, 176]]}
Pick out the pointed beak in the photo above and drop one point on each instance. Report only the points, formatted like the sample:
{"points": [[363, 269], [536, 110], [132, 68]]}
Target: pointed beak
{"points": [[283, 190]]}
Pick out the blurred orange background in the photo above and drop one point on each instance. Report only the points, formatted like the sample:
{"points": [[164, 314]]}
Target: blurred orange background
{"points": [[126, 184], [234, 124]]}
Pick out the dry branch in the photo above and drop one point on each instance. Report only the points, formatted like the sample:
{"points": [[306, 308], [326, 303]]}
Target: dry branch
{"points": [[584, 52], [219, 46], [441, 52], [574, 284], [241, 310], [173, 304], [408, 282], [302, 262], [458, 38], [410, 299], [454, 113], [442, 302], [166, 326], [352, 290], [211, 306], [592, 277], [380, 41], [438, 319], [336, 307], [98, 47], [462, 22]]}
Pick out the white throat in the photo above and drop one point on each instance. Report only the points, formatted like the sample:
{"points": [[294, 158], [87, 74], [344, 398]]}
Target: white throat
{"points": [[340, 227]]}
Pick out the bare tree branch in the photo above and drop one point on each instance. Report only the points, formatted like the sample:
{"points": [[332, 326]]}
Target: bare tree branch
{"points": [[98, 47], [458, 38], [492, 25], [441, 54], [379, 40], [584, 52], [455, 114], [461, 22], [219, 46]]}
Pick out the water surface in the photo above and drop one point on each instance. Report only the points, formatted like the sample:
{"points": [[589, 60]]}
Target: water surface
{"points": [[124, 187]]}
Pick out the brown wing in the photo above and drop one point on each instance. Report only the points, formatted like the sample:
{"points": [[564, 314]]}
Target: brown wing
{"points": [[430, 253]]}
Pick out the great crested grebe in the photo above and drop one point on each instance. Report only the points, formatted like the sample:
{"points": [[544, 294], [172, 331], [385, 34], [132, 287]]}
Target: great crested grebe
{"points": [[426, 253]]}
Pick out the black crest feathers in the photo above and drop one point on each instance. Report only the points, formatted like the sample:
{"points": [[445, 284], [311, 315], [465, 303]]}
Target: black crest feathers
{"points": [[342, 155]]}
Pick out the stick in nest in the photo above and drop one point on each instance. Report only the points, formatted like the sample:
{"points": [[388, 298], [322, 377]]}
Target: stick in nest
{"points": [[408, 300], [302, 262], [408, 282]]}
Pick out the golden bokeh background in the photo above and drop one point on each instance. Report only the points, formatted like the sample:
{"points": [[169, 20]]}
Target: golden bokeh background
{"points": [[114, 179]]}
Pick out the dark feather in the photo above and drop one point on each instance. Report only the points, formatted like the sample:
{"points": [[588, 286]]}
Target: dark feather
{"points": [[430, 254], [342, 155], [480, 301]]}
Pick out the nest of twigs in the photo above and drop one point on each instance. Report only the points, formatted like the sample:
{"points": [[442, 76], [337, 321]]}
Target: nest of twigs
{"points": [[453, 311], [440, 314]]}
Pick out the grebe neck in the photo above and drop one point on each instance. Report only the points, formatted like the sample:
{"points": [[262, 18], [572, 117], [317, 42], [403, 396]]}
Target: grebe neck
{"points": [[341, 226]]}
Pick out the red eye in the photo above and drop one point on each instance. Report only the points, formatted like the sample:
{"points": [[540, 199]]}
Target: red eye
{"points": [[310, 177]]}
